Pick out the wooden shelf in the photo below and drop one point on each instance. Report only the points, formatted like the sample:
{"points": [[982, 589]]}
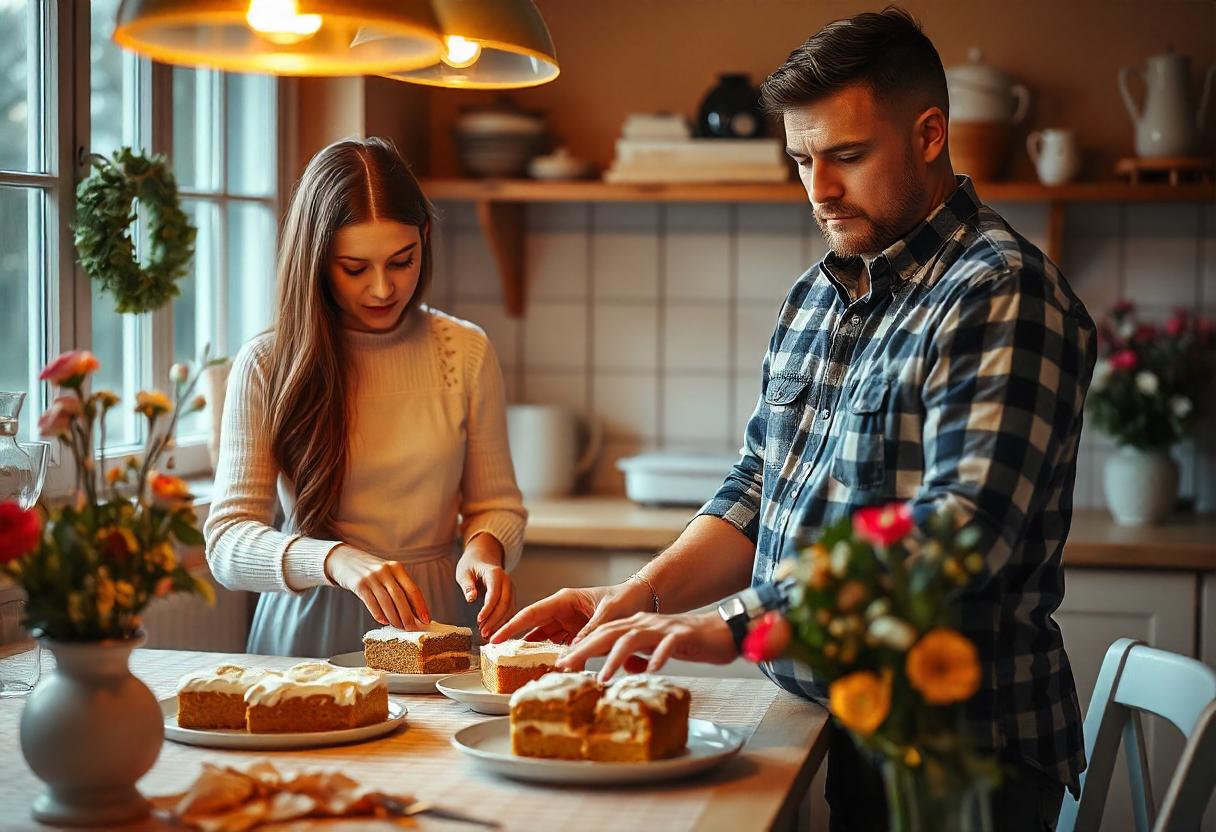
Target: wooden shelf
{"points": [[500, 206]]}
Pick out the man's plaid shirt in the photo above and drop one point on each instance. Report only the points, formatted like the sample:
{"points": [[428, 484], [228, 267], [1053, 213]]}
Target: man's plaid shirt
{"points": [[958, 380]]}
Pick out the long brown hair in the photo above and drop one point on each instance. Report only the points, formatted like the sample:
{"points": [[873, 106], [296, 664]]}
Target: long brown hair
{"points": [[351, 181]]}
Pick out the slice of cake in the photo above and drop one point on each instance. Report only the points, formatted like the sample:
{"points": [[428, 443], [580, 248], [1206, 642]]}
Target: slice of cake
{"points": [[507, 667], [314, 696], [216, 698], [550, 715], [639, 718], [440, 648]]}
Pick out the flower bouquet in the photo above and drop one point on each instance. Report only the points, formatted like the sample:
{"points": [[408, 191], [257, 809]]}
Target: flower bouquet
{"points": [[89, 571], [1150, 387], [871, 615]]}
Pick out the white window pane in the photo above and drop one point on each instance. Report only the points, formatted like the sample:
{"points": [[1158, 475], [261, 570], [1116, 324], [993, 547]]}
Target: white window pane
{"points": [[196, 140], [21, 92], [251, 147], [111, 97], [22, 242], [250, 244], [194, 318], [118, 345]]}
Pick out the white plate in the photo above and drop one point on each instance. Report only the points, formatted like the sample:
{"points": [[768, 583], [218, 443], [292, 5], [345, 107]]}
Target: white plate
{"points": [[397, 682], [229, 738], [489, 745], [468, 688]]}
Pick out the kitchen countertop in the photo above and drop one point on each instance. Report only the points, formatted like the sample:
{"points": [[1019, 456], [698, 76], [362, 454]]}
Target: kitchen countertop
{"points": [[606, 522]]}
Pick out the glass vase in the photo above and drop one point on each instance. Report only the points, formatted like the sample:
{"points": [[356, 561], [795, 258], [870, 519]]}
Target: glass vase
{"points": [[913, 807], [22, 464]]}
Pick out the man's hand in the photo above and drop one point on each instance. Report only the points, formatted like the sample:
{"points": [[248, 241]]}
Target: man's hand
{"points": [[694, 637], [481, 566], [568, 615]]}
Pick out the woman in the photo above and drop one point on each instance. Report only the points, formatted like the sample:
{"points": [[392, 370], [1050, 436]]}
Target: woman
{"points": [[379, 422]]}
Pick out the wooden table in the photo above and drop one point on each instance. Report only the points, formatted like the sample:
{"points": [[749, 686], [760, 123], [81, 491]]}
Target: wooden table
{"points": [[760, 789]]}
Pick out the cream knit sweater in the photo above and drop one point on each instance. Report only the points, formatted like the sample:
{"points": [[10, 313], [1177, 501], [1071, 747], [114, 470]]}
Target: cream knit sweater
{"points": [[428, 459]]}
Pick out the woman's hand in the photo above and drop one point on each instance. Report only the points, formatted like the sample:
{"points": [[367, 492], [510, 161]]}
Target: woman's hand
{"points": [[568, 615], [480, 567], [384, 587], [694, 637]]}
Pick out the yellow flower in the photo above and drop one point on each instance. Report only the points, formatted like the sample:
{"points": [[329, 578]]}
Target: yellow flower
{"points": [[205, 590], [861, 700], [75, 608], [152, 403], [124, 593], [114, 475], [944, 666], [106, 398], [163, 557], [911, 757], [104, 598]]}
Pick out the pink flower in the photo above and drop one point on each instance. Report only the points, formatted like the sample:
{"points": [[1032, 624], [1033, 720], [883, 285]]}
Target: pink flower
{"points": [[883, 525], [767, 639], [57, 420], [1123, 360], [1178, 323], [1122, 307], [19, 531], [69, 369]]}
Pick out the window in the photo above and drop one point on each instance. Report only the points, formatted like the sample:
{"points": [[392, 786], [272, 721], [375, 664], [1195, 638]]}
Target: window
{"points": [[64, 95]]}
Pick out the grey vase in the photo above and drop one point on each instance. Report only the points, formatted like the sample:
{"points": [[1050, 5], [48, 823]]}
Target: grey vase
{"points": [[90, 730]]}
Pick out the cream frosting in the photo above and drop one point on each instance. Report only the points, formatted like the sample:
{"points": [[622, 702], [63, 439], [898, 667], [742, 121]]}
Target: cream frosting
{"points": [[432, 630], [547, 728], [651, 691], [554, 686], [520, 653], [343, 685], [227, 678]]}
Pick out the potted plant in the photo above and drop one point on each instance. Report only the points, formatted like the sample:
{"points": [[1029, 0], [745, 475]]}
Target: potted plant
{"points": [[1149, 389], [89, 567], [871, 615]]}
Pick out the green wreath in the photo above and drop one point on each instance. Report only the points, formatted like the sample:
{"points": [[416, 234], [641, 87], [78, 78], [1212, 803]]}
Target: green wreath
{"points": [[105, 212]]}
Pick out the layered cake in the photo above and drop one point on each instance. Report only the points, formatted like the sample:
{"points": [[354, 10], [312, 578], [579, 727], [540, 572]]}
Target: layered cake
{"points": [[314, 696], [216, 698], [440, 648], [639, 718], [507, 667], [550, 715]]}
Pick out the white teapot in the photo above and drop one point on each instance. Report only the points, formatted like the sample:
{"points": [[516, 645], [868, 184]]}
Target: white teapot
{"points": [[980, 92], [1166, 125]]}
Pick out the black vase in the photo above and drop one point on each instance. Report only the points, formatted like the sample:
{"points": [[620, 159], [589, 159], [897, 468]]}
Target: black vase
{"points": [[731, 110]]}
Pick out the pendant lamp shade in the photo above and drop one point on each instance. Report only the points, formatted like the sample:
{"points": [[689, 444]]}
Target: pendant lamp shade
{"points": [[489, 44], [284, 37]]}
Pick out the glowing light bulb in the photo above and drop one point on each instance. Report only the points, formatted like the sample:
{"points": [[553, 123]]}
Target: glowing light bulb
{"points": [[279, 21], [460, 52]]}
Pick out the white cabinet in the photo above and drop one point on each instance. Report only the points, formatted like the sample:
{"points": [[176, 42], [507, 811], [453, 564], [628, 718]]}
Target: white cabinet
{"points": [[1157, 608]]}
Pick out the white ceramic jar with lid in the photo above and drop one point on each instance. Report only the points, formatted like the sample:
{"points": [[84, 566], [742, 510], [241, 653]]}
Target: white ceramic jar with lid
{"points": [[980, 92]]}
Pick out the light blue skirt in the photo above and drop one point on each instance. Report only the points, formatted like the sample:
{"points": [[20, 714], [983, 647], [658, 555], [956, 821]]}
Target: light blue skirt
{"points": [[324, 621]]}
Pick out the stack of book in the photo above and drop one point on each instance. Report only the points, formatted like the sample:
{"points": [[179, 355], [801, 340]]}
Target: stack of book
{"points": [[660, 148]]}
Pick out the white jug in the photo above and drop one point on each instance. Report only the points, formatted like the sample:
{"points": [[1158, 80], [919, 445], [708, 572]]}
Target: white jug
{"points": [[1168, 124], [1055, 156], [545, 443]]}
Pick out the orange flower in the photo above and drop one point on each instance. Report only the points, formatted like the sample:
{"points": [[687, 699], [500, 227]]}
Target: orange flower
{"points": [[861, 700], [169, 491], [944, 666], [152, 403]]}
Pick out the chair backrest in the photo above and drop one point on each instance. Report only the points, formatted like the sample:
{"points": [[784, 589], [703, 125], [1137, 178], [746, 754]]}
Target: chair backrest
{"points": [[1193, 783], [1135, 678]]}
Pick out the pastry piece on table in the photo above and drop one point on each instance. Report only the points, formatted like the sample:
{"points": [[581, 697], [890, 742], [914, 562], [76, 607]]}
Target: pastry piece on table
{"points": [[507, 667], [315, 696], [440, 648], [550, 715], [210, 699], [639, 718]]}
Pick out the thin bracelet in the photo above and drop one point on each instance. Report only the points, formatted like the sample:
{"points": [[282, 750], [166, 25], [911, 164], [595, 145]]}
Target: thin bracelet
{"points": [[654, 595]]}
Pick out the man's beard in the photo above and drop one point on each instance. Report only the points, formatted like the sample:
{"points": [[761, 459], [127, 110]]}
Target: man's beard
{"points": [[873, 235]]}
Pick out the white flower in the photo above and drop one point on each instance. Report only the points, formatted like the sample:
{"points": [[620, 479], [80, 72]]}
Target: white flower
{"points": [[892, 632], [1181, 406], [1127, 329], [1101, 374], [1146, 382], [179, 372]]}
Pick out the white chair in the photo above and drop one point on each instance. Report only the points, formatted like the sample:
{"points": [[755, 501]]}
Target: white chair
{"points": [[1134, 678]]}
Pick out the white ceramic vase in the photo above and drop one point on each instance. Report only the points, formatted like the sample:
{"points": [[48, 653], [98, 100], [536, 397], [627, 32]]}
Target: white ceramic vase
{"points": [[1140, 486], [90, 730]]}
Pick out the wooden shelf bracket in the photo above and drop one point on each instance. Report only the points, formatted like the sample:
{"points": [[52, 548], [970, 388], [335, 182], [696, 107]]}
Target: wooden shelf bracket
{"points": [[504, 226]]}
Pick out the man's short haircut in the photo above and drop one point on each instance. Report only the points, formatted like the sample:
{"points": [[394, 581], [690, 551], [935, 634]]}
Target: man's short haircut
{"points": [[885, 51]]}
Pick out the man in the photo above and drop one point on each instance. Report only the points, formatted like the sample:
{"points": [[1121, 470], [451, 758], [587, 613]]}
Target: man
{"points": [[934, 356]]}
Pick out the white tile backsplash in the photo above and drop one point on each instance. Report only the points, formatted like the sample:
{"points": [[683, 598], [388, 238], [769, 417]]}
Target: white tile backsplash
{"points": [[754, 325], [471, 270], [696, 411], [697, 264], [1162, 254], [567, 388], [627, 403], [557, 263], [767, 264], [555, 335], [625, 337], [625, 265], [696, 337]]}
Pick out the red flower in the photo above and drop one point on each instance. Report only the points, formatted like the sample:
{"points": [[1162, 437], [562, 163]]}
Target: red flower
{"points": [[20, 530], [1178, 323], [1123, 360], [883, 525], [768, 638], [1122, 307], [70, 368], [1145, 332]]}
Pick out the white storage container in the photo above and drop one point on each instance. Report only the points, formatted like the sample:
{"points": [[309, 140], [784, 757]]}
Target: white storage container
{"points": [[675, 478]]}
